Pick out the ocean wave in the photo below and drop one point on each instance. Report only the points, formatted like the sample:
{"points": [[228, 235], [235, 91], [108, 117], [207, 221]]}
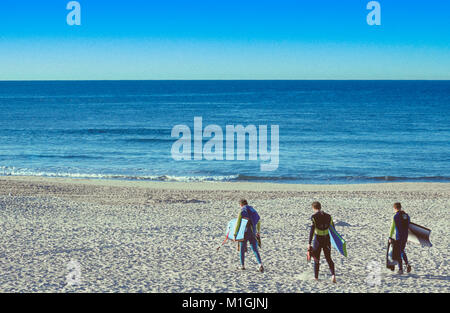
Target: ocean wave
{"points": [[116, 131], [133, 97], [266, 178], [147, 140], [13, 171], [423, 178], [362, 179], [91, 131], [54, 156], [342, 179]]}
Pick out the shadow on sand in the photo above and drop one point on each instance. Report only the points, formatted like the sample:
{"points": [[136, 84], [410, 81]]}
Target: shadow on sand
{"points": [[427, 276]]}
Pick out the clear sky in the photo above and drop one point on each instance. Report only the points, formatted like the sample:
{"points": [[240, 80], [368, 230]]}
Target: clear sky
{"points": [[224, 39]]}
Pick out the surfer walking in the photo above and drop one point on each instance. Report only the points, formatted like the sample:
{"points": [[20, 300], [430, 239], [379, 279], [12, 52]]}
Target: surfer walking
{"points": [[320, 239], [252, 233], [400, 224]]}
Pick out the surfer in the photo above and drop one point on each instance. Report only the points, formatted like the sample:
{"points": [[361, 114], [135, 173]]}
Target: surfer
{"points": [[320, 239], [252, 232], [400, 224]]}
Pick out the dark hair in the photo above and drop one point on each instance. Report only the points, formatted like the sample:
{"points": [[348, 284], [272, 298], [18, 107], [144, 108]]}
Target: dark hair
{"points": [[397, 205], [243, 202], [316, 205]]}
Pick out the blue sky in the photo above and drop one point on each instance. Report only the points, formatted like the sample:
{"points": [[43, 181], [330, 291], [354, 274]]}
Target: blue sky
{"points": [[211, 39]]}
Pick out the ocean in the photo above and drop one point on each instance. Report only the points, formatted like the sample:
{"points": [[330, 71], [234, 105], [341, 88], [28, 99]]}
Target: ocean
{"points": [[330, 132]]}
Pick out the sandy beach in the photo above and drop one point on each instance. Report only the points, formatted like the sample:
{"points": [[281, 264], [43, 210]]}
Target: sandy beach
{"points": [[137, 236]]}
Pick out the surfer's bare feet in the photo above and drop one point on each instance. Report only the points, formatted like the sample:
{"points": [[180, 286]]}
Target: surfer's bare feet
{"points": [[333, 279], [261, 268], [316, 279], [242, 267], [400, 272], [408, 268]]}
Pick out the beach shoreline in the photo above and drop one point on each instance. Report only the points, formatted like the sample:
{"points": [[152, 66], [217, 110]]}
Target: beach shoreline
{"points": [[145, 236], [247, 186]]}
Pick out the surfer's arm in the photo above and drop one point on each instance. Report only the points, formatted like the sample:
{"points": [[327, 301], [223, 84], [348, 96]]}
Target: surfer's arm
{"points": [[331, 222], [238, 224], [258, 227], [392, 229], [311, 234]]}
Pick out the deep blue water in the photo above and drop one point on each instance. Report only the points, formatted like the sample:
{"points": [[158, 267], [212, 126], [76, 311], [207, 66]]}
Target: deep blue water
{"points": [[330, 131]]}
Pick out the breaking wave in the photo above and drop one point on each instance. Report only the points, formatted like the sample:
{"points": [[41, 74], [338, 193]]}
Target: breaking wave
{"points": [[13, 171]]}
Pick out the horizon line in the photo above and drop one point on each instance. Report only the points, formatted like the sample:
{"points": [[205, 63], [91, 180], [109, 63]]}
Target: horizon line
{"points": [[256, 79]]}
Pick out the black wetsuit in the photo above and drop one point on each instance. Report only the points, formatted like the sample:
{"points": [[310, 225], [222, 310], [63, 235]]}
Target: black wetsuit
{"points": [[319, 232], [400, 224]]}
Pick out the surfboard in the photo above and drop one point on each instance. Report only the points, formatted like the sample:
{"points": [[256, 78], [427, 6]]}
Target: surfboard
{"points": [[337, 241], [390, 256], [231, 227], [419, 234]]}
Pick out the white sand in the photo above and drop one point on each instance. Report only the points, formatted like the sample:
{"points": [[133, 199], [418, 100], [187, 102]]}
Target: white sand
{"points": [[162, 237]]}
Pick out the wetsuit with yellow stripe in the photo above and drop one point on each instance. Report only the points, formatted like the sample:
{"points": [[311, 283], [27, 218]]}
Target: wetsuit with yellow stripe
{"points": [[320, 240], [238, 225], [400, 225], [249, 213]]}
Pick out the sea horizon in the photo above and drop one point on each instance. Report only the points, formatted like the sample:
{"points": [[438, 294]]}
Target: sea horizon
{"points": [[237, 79]]}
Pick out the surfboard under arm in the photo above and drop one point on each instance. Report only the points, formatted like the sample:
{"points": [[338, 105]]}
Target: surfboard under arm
{"points": [[391, 255], [337, 241], [231, 227], [419, 234]]}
